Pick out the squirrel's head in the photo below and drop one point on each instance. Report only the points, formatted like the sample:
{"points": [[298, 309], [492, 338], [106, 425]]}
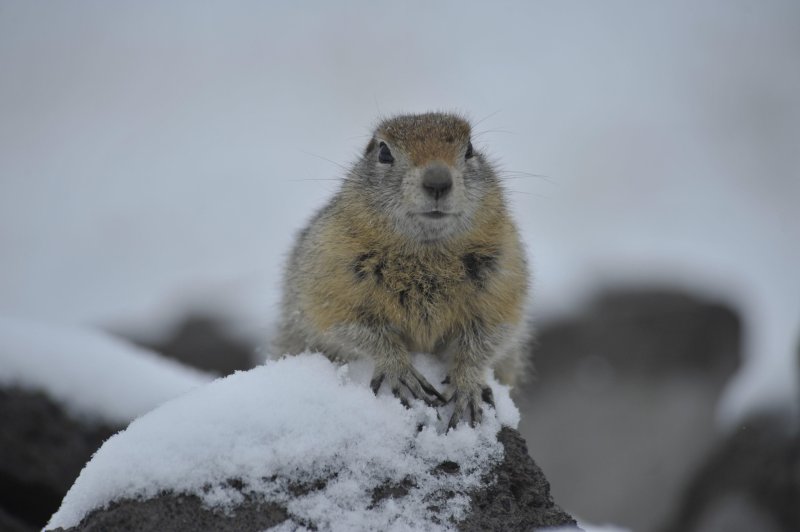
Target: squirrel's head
{"points": [[423, 173]]}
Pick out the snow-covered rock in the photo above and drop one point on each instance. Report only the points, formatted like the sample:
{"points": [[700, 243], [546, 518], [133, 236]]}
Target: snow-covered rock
{"points": [[91, 374], [63, 391], [309, 442]]}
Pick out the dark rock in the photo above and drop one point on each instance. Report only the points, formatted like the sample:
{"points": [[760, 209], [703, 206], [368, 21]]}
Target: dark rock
{"points": [[624, 406], [9, 523], [447, 467], [394, 491], [653, 333], [182, 513], [516, 498], [42, 450], [204, 342], [751, 481]]}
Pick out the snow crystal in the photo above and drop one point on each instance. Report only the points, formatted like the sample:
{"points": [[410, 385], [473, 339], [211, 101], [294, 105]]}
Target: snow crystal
{"points": [[93, 375], [297, 420]]}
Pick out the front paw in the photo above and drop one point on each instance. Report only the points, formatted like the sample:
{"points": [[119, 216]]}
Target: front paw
{"points": [[467, 404], [406, 383]]}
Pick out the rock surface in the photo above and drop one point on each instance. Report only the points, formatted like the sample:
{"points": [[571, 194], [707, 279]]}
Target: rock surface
{"points": [[516, 497], [638, 374], [9, 523], [181, 513], [651, 333], [751, 481], [519, 496], [42, 450], [204, 342]]}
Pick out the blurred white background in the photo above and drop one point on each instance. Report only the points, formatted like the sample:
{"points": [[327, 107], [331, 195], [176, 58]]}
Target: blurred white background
{"points": [[155, 157]]}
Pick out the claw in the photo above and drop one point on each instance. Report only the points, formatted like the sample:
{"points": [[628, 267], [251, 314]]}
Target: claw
{"points": [[432, 391], [408, 383], [428, 389], [403, 401], [468, 404], [488, 396], [476, 414], [376, 382], [454, 419], [416, 389], [459, 406]]}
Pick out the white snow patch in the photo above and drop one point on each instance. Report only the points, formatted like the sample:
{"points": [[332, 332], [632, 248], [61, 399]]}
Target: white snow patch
{"points": [[93, 375], [301, 419]]}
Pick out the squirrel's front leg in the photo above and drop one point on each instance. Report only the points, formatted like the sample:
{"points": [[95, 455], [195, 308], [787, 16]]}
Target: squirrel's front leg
{"points": [[475, 346], [392, 362]]}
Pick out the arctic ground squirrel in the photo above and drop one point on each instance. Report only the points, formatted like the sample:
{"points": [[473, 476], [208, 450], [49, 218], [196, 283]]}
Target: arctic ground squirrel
{"points": [[416, 252]]}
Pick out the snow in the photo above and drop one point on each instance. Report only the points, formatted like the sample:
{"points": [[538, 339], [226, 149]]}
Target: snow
{"points": [[159, 158], [92, 375], [302, 418]]}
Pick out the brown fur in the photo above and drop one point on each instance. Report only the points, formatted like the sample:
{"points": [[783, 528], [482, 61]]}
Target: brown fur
{"points": [[425, 137], [423, 291]]}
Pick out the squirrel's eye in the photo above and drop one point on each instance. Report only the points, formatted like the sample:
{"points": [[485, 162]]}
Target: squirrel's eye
{"points": [[469, 153], [384, 155]]}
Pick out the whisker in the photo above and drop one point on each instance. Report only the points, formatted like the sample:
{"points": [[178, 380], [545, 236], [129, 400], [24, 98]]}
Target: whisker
{"points": [[348, 170], [483, 132], [343, 167], [526, 193], [487, 117], [515, 174], [354, 137], [318, 179], [520, 172]]}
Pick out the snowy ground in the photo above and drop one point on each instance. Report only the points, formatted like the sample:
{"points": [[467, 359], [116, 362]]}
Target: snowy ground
{"points": [[154, 157], [303, 419], [93, 376]]}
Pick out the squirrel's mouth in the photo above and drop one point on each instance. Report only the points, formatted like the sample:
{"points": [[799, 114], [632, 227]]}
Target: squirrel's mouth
{"points": [[435, 215]]}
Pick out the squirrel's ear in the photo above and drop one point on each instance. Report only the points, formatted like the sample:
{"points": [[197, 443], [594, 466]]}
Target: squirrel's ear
{"points": [[370, 146]]}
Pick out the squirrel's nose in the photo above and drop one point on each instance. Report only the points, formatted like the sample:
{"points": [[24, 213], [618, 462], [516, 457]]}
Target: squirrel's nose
{"points": [[436, 180]]}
